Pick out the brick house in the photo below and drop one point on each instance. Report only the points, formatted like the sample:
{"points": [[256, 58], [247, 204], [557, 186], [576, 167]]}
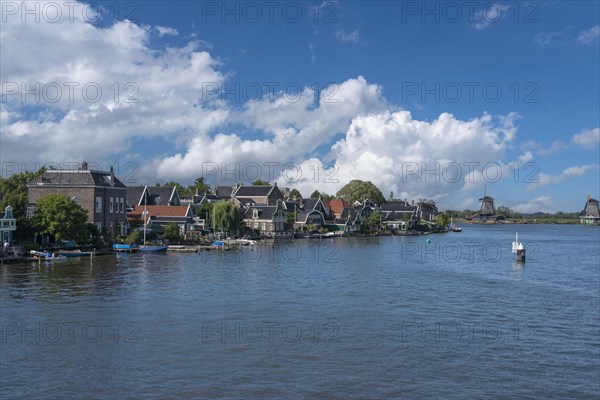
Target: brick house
{"points": [[101, 194]]}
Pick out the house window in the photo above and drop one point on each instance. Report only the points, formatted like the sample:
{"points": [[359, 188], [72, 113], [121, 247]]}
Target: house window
{"points": [[99, 225], [123, 229], [98, 204], [122, 204], [255, 214], [111, 207]]}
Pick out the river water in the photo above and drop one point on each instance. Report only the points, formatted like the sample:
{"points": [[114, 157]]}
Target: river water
{"points": [[451, 317]]}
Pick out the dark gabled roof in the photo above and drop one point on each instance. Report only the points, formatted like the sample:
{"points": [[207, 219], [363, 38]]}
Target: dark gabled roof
{"points": [[253, 191], [396, 215], [134, 195], [157, 195], [309, 204], [397, 207], [224, 191], [161, 195], [76, 178], [2, 215], [301, 217], [348, 212], [291, 205], [264, 212]]}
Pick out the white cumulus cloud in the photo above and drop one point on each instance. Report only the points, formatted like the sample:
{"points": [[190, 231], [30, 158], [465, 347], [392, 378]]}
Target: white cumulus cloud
{"points": [[588, 139]]}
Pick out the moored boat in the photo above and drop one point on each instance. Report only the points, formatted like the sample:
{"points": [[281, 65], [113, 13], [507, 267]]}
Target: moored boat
{"points": [[46, 256], [75, 253], [454, 228], [125, 248], [182, 248], [153, 249]]}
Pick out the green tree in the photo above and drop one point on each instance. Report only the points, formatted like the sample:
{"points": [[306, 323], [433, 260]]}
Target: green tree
{"points": [[205, 211], [442, 220], [134, 237], [374, 221], [180, 188], [291, 216], [504, 211], [295, 194], [327, 197], [199, 187], [260, 182], [428, 205], [358, 190], [61, 217], [227, 216], [93, 235], [172, 232], [324, 196], [14, 193]]}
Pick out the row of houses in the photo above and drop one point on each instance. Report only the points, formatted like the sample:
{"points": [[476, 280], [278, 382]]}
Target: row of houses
{"points": [[116, 208]]}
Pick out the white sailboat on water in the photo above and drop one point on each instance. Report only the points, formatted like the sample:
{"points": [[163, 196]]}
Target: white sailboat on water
{"points": [[453, 227]]}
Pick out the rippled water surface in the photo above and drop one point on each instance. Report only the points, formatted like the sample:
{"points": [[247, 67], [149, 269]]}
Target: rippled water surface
{"points": [[388, 317]]}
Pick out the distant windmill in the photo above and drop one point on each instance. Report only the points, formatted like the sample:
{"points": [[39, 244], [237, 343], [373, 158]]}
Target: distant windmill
{"points": [[487, 205]]}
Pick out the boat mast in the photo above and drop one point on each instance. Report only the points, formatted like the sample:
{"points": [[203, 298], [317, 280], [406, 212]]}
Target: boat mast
{"points": [[145, 215]]}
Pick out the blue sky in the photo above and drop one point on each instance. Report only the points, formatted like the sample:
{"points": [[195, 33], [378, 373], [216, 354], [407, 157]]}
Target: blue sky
{"points": [[387, 89]]}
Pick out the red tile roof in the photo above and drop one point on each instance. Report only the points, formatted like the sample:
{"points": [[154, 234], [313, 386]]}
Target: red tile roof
{"points": [[162, 211], [338, 205]]}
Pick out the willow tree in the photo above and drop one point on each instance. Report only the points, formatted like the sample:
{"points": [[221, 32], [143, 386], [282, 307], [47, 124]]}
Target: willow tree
{"points": [[226, 216]]}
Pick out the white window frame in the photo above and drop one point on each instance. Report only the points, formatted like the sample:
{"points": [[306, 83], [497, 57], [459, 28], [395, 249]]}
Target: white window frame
{"points": [[111, 207], [98, 204], [123, 229]]}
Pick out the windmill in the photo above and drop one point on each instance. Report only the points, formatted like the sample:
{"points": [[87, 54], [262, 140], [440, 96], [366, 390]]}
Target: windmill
{"points": [[487, 208]]}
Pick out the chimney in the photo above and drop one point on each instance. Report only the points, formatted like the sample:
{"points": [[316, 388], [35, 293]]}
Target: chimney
{"points": [[391, 195], [84, 166]]}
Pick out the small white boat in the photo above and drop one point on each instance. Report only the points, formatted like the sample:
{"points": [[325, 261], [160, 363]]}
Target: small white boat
{"points": [[46, 256], [454, 228], [246, 242]]}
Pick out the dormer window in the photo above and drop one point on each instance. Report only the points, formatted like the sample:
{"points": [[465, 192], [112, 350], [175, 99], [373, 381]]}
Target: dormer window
{"points": [[255, 213]]}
